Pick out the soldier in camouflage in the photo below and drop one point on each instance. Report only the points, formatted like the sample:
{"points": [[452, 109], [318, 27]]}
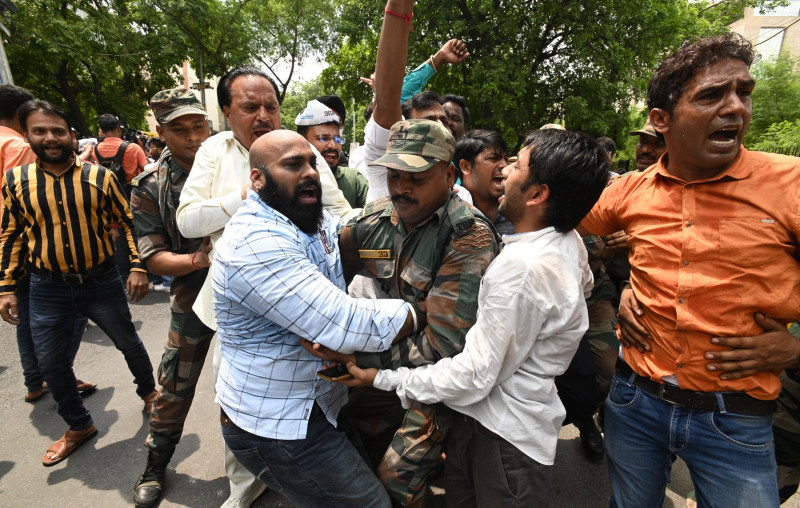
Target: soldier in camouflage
{"points": [[427, 246], [183, 126]]}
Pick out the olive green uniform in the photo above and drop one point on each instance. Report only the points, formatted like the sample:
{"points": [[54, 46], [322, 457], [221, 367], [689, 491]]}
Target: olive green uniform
{"points": [[440, 262], [154, 200]]}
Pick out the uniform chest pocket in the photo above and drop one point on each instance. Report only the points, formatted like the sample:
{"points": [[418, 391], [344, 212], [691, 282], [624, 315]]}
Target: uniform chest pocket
{"points": [[416, 276], [748, 243]]}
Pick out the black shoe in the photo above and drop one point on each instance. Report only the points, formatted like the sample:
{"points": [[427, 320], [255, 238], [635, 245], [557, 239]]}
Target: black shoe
{"points": [[591, 439], [148, 489]]}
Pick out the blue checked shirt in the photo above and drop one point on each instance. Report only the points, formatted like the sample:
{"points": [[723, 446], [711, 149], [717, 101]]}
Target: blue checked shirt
{"points": [[272, 285]]}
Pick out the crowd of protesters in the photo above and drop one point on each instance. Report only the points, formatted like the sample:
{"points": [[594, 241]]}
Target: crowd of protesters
{"points": [[431, 304]]}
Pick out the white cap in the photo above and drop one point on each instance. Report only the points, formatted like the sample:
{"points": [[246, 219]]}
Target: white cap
{"points": [[317, 113]]}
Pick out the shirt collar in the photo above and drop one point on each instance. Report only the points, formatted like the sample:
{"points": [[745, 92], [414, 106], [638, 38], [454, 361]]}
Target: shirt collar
{"points": [[529, 236], [739, 170], [10, 132]]}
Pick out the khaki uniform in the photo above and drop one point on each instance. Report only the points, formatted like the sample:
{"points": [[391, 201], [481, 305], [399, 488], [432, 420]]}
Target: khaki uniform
{"points": [[441, 262], [154, 200]]}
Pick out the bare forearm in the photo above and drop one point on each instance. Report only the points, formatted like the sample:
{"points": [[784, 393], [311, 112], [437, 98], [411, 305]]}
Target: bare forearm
{"points": [[175, 265]]}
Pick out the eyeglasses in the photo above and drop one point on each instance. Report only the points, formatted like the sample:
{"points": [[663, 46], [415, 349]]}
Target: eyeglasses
{"points": [[324, 138]]}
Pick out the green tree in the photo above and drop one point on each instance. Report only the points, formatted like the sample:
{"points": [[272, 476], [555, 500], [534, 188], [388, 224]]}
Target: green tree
{"points": [[583, 62], [776, 97], [110, 56], [780, 136]]}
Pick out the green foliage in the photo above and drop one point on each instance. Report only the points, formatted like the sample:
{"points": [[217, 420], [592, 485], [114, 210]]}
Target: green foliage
{"points": [[296, 101], [776, 97], [783, 135], [89, 57], [580, 61], [111, 56]]}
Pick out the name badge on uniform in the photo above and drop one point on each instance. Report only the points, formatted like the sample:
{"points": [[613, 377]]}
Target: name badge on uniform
{"points": [[375, 254]]}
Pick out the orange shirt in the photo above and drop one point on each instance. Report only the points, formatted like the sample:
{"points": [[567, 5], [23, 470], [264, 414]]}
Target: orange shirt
{"points": [[133, 161], [14, 151], [705, 256]]}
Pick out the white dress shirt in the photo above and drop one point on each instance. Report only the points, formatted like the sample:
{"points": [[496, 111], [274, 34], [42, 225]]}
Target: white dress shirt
{"points": [[531, 317]]}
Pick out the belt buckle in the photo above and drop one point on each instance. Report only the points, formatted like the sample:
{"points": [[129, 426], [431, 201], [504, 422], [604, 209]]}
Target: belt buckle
{"points": [[72, 278], [663, 394]]}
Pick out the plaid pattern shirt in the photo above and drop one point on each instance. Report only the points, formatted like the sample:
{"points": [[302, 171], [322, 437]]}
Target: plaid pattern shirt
{"points": [[274, 284]]}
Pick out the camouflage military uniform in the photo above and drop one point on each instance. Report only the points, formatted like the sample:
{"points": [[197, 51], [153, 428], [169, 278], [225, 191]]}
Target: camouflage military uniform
{"points": [[154, 201], [441, 261], [353, 185], [601, 334]]}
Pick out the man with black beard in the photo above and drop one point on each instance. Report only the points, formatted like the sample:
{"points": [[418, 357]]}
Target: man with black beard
{"points": [[276, 278], [58, 212]]}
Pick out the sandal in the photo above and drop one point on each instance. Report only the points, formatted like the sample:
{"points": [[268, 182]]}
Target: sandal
{"points": [[62, 448], [85, 387]]}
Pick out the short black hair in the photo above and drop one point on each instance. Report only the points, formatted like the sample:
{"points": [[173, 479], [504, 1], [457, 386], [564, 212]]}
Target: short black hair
{"points": [[420, 102], [108, 123], [11, 98], [680, 67], [157, 143], [44, 107], [476, 141], [225, 82], [461, 102], [608, 144], [575, 169]]}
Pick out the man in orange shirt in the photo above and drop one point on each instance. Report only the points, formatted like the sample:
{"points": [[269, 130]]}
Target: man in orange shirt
{"points": [[714, 250], [14, 151]]}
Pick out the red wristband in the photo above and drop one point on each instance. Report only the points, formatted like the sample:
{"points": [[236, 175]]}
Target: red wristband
{"points": [[192, 261], [405, 17]]}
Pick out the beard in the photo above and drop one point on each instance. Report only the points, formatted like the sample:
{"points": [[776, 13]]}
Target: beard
{"points": [[65, 155], [307, 217]]}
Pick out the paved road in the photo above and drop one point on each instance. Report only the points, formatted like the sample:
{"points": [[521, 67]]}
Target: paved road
{"points": [[103, 471]]}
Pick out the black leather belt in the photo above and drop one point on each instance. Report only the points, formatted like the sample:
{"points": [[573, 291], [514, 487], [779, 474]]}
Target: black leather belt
{"points": [[76, 278], [735, 402]]}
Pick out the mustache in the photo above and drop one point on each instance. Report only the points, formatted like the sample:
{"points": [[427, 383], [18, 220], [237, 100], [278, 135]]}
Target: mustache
{"points": [[262, 125], [399, 198]]}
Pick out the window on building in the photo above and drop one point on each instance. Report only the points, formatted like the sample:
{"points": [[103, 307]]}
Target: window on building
{"points": [[769, 42]]}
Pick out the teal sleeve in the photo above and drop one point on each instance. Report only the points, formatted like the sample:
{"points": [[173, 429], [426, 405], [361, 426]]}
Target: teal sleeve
{"points": [[416, 80]]}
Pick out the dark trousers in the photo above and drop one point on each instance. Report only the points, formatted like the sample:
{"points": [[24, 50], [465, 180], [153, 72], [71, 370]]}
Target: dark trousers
{"points": [[577, 387], [487, 471], [27, 352], [53, 307]]}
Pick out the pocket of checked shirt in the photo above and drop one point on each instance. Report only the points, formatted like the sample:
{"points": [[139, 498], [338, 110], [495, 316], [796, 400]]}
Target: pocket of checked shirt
{"points": [[744, 431], [748, 242]]}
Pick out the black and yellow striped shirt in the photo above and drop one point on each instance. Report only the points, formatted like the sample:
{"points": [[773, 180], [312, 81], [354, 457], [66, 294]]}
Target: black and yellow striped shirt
{"points": [[61, 223]]}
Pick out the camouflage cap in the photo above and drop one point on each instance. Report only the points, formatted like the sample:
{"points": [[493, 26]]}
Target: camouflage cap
{"points": [[169, 104], [647, 130], [417, 145]]}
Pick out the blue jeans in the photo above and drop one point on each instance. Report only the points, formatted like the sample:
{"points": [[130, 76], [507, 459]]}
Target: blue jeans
{"points": [[731, 457], [27, 352], [53, 307], [323, 469]]}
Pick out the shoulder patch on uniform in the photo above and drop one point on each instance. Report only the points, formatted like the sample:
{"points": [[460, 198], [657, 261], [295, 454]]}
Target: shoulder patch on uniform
{"points": [[141, 176], [478, 237]]}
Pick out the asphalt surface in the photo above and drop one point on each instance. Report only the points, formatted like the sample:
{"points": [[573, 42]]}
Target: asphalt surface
{"points": [[103, 471]]}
